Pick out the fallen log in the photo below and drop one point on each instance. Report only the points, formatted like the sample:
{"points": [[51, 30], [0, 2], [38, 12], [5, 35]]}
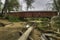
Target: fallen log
{"points": [[28, 37], [26, 34], [52, 36]]}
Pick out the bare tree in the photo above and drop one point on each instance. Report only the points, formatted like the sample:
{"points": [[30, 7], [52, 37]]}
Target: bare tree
{"points": [[9, 6], [57, 6], [29, 3]]}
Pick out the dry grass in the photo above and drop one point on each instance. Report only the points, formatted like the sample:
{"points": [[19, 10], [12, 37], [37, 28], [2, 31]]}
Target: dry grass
{"points": [[4, 21], [36, 34], [9, 33], [11, 30]]}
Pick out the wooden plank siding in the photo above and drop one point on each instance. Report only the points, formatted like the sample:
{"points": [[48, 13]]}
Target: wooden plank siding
{"points": [[34, 14]]}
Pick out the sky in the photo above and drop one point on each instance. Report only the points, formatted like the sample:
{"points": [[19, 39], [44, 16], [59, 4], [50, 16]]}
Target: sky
{"points": [[3, 1], [37, 5]]}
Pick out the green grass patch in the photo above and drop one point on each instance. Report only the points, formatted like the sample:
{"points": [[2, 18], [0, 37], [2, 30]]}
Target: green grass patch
{"points": [[13, 19]]}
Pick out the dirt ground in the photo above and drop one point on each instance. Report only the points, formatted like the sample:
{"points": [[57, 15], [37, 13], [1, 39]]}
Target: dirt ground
{"points": [[11, 30], [36, 34]]}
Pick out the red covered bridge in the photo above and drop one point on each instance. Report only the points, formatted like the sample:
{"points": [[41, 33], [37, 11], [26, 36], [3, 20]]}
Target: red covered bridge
{"points": [[34, 13]]}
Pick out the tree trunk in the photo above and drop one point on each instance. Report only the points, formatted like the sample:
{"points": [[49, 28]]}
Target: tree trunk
{"points": [[59, 12], [57, 8], [4, 10]]}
